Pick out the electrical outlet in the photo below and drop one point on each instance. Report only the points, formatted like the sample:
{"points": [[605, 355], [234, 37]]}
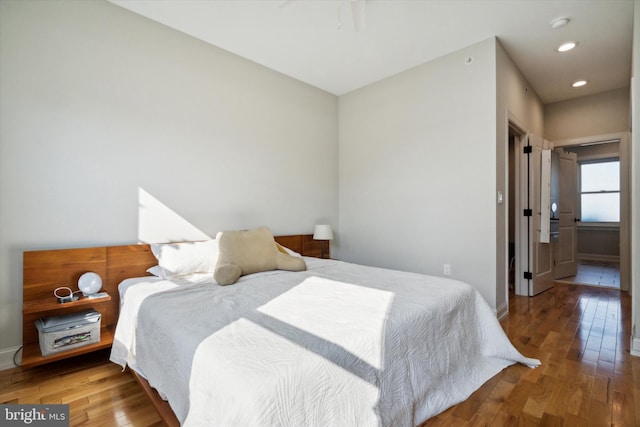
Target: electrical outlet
{"points": [[447, 269]]}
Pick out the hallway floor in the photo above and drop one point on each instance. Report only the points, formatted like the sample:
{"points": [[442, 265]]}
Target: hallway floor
{"points": [[593, 273]]}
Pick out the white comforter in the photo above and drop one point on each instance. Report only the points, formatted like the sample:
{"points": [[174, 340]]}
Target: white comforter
{"points": [[337, 345]]}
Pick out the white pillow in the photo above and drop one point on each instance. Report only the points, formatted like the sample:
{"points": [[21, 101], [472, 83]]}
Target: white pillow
{"points": [[177, 259], [289, 251], [157, 271]]}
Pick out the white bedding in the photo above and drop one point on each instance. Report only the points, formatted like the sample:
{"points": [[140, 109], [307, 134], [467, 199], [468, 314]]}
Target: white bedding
{"points": [[132, 293], [337, 345]]}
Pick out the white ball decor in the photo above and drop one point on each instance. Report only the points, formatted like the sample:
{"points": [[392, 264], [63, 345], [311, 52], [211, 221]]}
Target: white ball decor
{"points": [[89, 283]]}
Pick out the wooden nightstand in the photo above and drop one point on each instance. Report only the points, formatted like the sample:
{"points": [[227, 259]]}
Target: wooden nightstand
{"points": [[35, 309], [43, 272]]}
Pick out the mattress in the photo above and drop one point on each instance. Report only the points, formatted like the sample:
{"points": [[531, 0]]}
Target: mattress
{"points": [[339, 344]]}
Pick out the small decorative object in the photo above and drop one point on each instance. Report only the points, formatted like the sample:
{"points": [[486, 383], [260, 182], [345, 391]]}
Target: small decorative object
{"points": [[89, 283]]}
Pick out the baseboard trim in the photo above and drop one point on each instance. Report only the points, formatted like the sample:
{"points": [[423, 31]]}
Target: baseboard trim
{"points": [[6, 357], [635, 346], [598, 258], [502, 311]]}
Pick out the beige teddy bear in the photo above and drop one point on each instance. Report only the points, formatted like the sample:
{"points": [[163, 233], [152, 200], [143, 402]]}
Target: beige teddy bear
{"points": [[251, 251]]}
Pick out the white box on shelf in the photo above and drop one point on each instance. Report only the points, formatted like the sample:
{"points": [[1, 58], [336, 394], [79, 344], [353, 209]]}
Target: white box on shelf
{"points": [[61, 333]]}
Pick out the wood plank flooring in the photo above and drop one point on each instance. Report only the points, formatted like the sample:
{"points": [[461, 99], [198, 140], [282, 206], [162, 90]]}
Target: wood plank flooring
{"points": [[587, 378], [580, 333], [97, 391]]}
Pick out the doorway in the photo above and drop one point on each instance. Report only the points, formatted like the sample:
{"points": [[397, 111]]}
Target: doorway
{"points": [[603, 243], [513, 257], [518, 256], [522, 249], [530, 259]]}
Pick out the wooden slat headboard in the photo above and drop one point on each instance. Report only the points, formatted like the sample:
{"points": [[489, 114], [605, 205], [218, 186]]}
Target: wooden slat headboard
{"points": [[45, 270], [303, 244]]}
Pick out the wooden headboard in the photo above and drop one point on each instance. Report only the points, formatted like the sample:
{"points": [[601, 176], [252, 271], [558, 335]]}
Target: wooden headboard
{"points": [[45, 270]]}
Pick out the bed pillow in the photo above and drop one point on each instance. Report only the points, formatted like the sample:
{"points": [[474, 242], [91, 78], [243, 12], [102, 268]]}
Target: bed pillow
{"points": [[177, 259], [286, 250], [157, 271], [250, 251]]}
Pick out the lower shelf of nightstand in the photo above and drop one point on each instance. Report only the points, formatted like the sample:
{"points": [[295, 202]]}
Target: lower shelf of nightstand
{"points": [[31, 355]]}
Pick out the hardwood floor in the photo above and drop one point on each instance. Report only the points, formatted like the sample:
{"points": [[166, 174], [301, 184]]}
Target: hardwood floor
{"points": [[97, 391], [587, 378], [580, 333]]}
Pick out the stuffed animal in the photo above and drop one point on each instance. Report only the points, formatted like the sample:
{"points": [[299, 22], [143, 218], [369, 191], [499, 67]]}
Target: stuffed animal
{"points": [[251, 251]]}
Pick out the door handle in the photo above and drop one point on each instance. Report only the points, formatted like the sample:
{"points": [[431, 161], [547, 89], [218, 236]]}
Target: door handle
{"points": [[576, 219]]}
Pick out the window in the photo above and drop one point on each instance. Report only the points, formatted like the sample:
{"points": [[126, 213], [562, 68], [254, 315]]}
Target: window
{"points": [[600, 191]]}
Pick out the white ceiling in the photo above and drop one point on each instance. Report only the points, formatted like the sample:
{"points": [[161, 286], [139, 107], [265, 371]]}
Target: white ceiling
{"points": [[316, 41]]}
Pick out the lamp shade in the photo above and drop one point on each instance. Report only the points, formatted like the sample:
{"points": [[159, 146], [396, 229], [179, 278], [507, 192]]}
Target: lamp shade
{"points": [[323, 232]]}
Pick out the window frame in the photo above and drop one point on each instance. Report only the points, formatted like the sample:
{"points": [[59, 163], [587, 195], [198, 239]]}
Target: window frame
{"points": [[595, 160]]}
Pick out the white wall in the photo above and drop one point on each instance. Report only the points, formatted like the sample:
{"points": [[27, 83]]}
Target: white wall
{"points": [[635, 186], [104, 111], [417, 169], [599, 114], [516, 101]]}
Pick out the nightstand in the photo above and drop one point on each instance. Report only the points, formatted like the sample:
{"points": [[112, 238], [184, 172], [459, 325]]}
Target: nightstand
{"points": [[37, 308]]}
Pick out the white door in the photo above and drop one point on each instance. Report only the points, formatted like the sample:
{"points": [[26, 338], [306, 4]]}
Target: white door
{"points": [[537, 257], [566, 248]]}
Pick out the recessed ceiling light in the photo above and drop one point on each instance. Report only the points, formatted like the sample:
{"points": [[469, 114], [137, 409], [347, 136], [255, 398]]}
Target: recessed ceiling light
{"points": [[579, 83], [560, 22], [566, 47]]}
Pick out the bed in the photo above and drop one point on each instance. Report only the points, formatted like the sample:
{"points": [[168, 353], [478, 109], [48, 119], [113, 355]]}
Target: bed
{"points": [[336, 344]]}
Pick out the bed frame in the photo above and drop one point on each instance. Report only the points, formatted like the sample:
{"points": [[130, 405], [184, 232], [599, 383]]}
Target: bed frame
{"points": [[45, 270]]}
